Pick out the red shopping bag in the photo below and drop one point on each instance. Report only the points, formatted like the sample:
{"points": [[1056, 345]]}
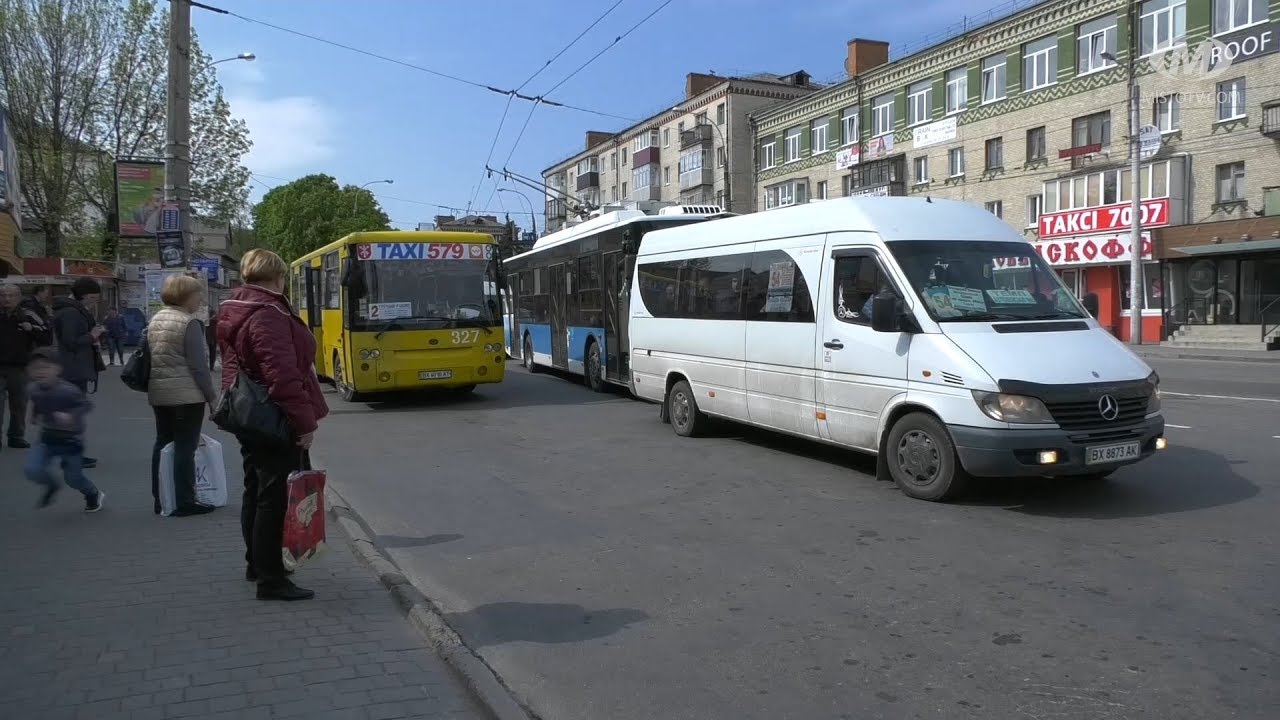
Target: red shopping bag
{"points": [[304, 536]]}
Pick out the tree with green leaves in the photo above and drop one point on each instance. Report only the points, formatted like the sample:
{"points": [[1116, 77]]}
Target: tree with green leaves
{"points": [[311, 212]]}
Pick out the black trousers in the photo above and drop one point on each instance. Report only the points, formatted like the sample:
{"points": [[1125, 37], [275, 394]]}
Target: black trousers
{"points": [[180, 425], [13, 389], [262, 509]]}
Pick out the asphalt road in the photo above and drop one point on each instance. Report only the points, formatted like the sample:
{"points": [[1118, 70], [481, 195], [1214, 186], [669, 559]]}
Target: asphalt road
{"points": [[609, 569]]}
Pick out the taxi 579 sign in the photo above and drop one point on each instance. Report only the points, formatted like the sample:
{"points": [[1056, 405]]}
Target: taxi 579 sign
{"points": [[1105, 219]]}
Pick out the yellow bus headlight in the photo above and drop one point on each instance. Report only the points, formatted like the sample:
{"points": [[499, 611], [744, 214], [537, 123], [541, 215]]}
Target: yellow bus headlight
{"points": [[370, 354], [492, 347]]}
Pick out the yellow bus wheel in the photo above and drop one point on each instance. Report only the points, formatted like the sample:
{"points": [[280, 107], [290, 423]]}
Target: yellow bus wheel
{"points": [[345, 390]]}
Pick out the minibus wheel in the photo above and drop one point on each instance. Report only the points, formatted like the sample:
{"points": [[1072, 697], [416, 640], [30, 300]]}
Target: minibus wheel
{"points": [[686, 419], [922, 458]]}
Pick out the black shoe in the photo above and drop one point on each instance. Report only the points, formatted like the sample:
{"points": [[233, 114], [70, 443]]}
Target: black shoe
{"points": [[19, 444], [197, 509], [94, 504], [46, 497], [89, 463], [284, 590]]}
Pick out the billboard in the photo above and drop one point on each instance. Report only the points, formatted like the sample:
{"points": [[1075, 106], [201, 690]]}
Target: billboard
{"points": [[10, 191], [139, 197]]}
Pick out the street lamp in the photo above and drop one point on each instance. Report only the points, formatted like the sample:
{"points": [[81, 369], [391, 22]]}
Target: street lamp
{"points": [[356, 198], [246, 56], [532, 219], [1136, 294]]}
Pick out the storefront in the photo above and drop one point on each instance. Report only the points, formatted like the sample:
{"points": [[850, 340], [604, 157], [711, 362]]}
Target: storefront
{"points": [[1099, 265], [58, 274], [1222, 273]]}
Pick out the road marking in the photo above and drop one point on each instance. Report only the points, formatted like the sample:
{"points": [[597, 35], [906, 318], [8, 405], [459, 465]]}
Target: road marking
{"points": [[1180, 427], [1218, 397]]}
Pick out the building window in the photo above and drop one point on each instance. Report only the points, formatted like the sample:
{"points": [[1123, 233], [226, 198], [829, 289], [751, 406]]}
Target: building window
{"points": [[720, 156], [692, 160], [792, 192], [666, 175], [768, 155], [957, 90], [996, 207], [920, 166], [720, 113], [1040, 64], [920, 103], [644, 141], [792, 140], [995, 153], [666, 137], [613, 161], [818, 129], [644, 178], [1231, 182], [720, 198], [994, 69], [1036, 144], [882, 115], [1231, 100], [624, 190], [849, 126], [1163, 25], [1092, 129], [1168, 113], [613, 192], [1035, 207], [1105, 188], [955, 161], [701, 119], [587, 165], [1096, 37], [1231, 15], [820, 192]]}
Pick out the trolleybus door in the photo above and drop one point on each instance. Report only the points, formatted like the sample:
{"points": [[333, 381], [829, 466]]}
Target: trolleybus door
{"points": [[611, 284], [559, 328]]}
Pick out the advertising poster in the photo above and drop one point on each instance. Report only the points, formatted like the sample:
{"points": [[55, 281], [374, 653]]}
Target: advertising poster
{"points": [[154, 283], [9, 191], [782, 278], [139, 197], [169, 245]]}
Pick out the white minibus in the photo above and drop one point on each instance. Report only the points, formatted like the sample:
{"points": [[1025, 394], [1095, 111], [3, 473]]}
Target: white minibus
{"points": [[925, 331]]}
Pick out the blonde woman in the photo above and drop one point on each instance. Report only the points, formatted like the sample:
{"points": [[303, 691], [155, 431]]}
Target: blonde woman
{"points": [[180, 388]]}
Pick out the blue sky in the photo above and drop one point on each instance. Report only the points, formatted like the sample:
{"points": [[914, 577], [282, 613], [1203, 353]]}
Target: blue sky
{"points": [[312, 107]]}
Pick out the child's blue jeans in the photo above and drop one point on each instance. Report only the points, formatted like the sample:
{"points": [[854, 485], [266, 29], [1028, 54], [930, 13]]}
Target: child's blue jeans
{"points": [[71, 454]]}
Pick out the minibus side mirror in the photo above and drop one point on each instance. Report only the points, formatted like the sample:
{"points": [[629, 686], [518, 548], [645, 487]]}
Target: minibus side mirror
{"points": [[886, 313], [1090, 303]]}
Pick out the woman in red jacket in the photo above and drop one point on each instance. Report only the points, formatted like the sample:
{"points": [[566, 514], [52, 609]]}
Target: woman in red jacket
{"points": [[259, 334]]}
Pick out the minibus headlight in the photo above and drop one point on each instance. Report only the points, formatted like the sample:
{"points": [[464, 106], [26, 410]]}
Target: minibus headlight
{"points": [[1153, 402], [370, 354], [492, 347], [1012, 408]]}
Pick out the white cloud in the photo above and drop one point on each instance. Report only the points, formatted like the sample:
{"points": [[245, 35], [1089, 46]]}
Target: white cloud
{"points": [[288, 133]]}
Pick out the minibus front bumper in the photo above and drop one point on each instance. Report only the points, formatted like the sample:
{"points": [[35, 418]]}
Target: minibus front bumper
{"points": [[1053, 452]]}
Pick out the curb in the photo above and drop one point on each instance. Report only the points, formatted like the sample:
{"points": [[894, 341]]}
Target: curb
{"points": [[427, 618], [1223, 358]]}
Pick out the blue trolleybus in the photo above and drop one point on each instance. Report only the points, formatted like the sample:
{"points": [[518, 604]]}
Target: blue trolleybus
{"points": [[567, 300]]}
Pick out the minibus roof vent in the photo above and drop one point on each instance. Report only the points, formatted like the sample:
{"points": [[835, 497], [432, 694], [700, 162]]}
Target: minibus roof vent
{"points": [[692, 210]]}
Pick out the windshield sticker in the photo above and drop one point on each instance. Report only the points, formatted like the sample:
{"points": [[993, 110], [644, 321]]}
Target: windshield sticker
{"points": [[967, 299], [1012, 297], [940, 299], [782, 278], [427, 251], [390, 311]]}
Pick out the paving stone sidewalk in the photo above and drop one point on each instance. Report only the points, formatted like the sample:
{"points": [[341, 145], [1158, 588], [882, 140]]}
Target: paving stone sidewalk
{"points": [[126, 615]]}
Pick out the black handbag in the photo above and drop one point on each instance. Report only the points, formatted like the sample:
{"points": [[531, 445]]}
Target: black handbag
{"points": [[247, 411], [136, 373]]}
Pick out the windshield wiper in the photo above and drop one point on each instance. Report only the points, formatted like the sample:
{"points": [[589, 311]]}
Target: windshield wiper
{"points": [[988, 317], [393, 325]]}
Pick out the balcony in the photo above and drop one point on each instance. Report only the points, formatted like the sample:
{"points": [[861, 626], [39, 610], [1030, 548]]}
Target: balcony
{"points": [[653, 192], [1271, 119], [647, 156], [556, 209], [696, 178], [587, 180], [697, 136]]}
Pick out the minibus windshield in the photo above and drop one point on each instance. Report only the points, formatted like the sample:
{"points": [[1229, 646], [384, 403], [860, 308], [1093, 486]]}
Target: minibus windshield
{"points": [[984, 281]]}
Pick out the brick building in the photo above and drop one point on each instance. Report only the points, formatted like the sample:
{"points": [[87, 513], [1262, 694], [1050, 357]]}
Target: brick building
{"points": [[684, 155], [1028, 115]]}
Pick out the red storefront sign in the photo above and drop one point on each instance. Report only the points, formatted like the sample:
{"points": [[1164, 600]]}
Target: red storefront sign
{"points": [[1100, 250], [1108, 218]]}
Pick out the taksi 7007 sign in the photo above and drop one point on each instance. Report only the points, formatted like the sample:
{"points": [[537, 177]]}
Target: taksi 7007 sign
{"points": [[1108, 218]]}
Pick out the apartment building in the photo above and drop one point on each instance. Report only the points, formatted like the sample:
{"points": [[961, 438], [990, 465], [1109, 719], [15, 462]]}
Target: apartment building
{"points": [[1028, 115], [697, 152]]}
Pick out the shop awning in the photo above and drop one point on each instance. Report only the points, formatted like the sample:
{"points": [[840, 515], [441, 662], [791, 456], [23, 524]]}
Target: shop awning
{"points": [[1244, 246]]}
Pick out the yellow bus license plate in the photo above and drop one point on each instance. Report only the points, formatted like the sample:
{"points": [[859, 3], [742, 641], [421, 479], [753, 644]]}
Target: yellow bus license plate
{"points": [[435, 374]]}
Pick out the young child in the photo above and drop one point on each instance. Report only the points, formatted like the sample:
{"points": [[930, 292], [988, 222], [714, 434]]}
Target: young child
{"points": [[59, 408]]}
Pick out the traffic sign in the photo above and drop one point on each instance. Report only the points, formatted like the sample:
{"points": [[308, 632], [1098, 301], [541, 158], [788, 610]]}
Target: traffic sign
{"points": [[1149, 141]]}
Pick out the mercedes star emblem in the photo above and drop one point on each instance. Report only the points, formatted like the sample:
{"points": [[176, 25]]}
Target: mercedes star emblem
{"points": [[1108, 408]]}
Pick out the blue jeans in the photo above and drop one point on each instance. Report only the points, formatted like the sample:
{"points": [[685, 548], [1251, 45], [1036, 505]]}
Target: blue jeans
{"points": [[72, 456]]}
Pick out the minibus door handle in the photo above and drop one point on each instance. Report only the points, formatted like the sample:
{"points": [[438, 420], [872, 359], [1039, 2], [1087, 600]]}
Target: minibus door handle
{"points": [[833, 345]]}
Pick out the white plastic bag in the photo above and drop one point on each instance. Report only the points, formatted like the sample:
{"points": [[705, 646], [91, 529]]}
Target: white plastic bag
{"points": [[211, 476]]}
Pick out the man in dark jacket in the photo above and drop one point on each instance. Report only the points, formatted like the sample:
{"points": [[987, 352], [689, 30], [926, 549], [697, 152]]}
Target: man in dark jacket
{"points": [[76, 333], [39, 307], [18, 335]]}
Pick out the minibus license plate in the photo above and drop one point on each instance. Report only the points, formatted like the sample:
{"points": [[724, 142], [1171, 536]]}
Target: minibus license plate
{"points": [[1100, 454], [435, 374]]}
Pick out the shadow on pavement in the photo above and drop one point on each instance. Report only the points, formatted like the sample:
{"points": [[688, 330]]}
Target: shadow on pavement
{"points": [[518, 389], [394, 542], [1181, 479], [546, 623]]}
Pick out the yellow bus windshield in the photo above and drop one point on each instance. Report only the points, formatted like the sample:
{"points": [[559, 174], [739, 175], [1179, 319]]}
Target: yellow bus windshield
{"points": [[420, 294]]}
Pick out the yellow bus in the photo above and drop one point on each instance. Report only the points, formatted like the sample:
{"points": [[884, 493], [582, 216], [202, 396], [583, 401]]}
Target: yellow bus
{"points": [[394, 311]]}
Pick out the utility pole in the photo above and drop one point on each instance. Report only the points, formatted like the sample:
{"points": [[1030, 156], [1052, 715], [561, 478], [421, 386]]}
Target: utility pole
{"points": [[177, 154], [1136, 293]]}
